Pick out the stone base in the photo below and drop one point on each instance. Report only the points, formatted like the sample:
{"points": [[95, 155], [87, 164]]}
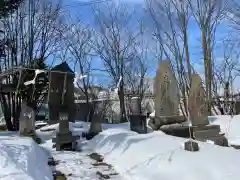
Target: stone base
{"points": [[65, 141], [138, 123], [176, 130], [210, 132], [157, 122], [191, 146]]}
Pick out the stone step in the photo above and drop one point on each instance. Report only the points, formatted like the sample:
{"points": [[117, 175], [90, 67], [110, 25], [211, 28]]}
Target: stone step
{"points": [[220, 140], [206, 133], [208, 127], [165, 120]]}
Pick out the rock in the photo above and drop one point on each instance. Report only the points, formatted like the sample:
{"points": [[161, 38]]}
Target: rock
{"points": [[191, 145]]}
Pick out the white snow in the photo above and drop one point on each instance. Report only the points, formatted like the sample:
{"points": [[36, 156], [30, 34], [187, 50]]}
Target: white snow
{"points": [[230, 126], [78, 78], [37, 72], [22, 159], [134, 156], [159, 156]]}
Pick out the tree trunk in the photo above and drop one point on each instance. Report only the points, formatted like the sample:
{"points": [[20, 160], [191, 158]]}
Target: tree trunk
{"points": [[207, 69], [6, 113], [122, 104]]}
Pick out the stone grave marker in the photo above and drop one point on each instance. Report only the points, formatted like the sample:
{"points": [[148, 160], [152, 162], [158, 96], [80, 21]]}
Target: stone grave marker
{"points": [[64, 139], [197, 102], [27, 120], [98, 115], [201, 129], [167, 99], [137, 120], [62, 107]]}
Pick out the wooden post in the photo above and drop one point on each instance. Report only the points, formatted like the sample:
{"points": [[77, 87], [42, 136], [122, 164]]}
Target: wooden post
{"points": [[64, 87], [49, 84]]}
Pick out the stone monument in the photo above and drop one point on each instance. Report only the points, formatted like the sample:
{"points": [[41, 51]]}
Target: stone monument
{"points": [[201, 129], [98, 110], [27, 120], [167, 99], [137, 120], [197, 105], [61, 105]]}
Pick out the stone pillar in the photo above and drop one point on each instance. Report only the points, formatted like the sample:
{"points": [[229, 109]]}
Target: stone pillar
{"points": [[197, 105], [167, 99], [27, 120], [137, 120]]}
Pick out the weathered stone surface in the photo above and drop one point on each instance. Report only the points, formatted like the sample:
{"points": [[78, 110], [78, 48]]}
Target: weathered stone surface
{"points": [[197, 102], [135, 106], [206, 133], [207, 127], [177, 130], [165, 120], [191, 145], [210, 132], [63, 123], [167, 97], [64, 139], [138, 124], [27, 120]]}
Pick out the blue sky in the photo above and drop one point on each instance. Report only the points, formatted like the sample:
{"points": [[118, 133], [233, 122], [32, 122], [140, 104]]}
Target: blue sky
{"points": [[78, 7]]}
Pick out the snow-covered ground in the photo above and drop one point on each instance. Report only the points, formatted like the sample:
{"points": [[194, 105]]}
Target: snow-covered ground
{"points": [[132, 156], [159, 156], [230, 126], [22, 159]]}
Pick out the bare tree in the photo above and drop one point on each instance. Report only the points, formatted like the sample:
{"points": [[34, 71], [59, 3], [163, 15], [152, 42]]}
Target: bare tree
{"points": [[136, 81], [78, 44], [208, 15], [114, 44], [170, 23], [25, 35]]}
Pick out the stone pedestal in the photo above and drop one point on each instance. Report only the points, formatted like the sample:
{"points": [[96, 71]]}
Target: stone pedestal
{"points": [[209, 132], [138, 124], [166, 120], [64, 139]]}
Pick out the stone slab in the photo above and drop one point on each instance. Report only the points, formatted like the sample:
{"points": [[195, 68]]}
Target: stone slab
{"points": [[176, 130], [220, 140], [207, 127], [165, 120], [138, 123], [206, 133], [64, 138]]}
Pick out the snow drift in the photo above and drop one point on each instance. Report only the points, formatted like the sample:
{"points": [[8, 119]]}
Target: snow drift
{"points": [[22, 159], [159, 156], [230, 126]]}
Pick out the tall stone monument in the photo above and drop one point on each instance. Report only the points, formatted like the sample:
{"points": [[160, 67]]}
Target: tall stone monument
{"points": [[61, 105], [167, 99], [197, 105], [201, 129]]}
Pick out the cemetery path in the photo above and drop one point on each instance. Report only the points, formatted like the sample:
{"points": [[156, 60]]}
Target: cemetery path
{"points": [[80, 164]]}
